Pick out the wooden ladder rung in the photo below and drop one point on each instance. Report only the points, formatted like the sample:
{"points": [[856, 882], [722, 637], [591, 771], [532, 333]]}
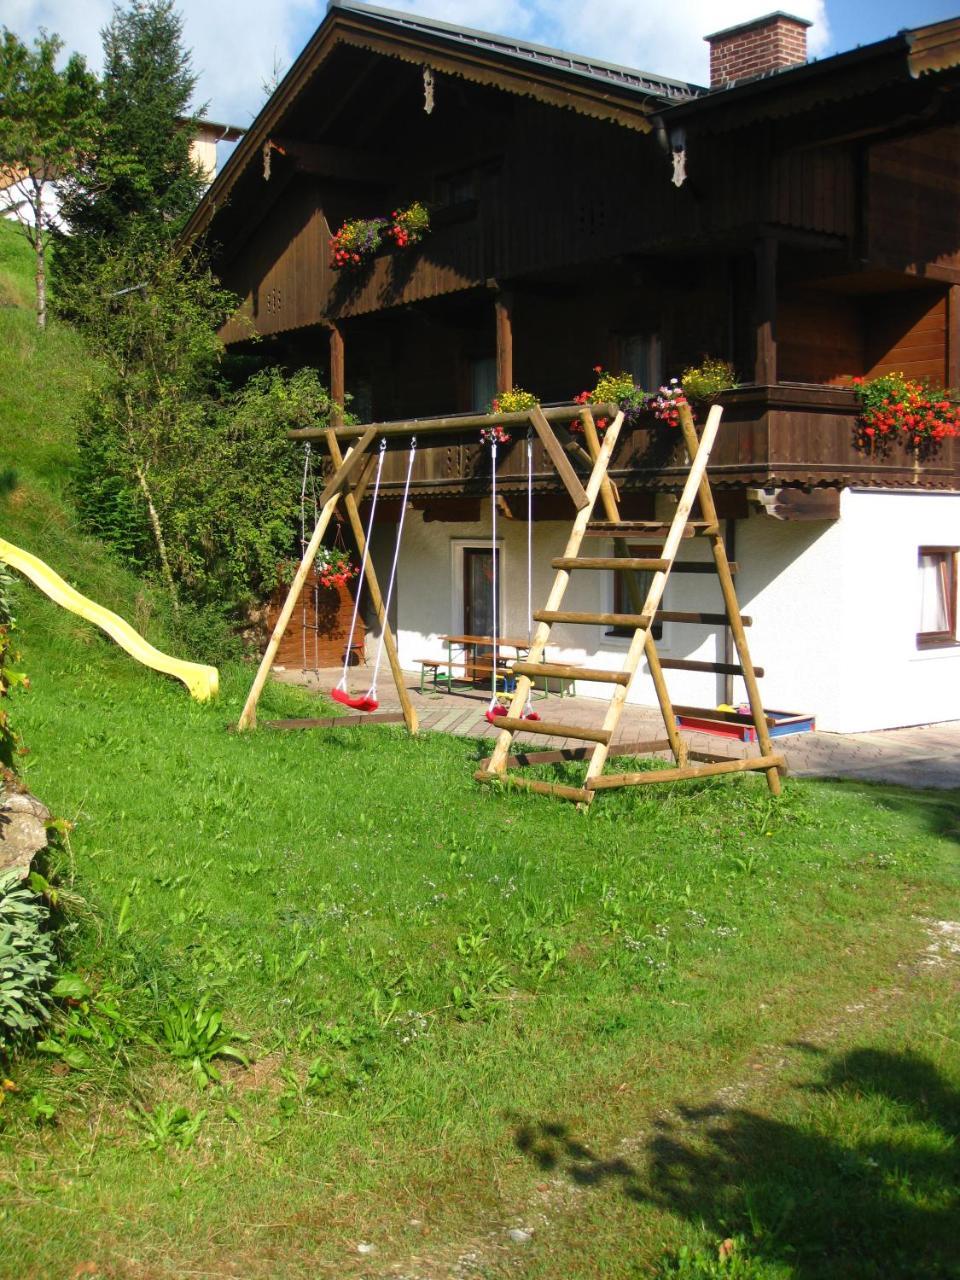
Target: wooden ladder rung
{"points": [[647, 528], [578, 794], [701, 566], [634, 620], [705, 619], [618, 564], [550, 729], [719, 668], [564, 755], [607, 780], [563, 672]]}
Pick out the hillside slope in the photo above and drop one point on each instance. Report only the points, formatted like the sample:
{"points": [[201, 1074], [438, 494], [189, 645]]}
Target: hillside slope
{"points": [[42, 379]]}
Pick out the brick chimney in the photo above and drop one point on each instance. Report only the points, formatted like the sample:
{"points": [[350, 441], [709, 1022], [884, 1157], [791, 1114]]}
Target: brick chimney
{"points": [[756, 48]]}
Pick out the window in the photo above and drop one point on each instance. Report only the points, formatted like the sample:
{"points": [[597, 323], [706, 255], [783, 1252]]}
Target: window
{"points": [[483, 383], [642, 359], [938, 597], [622, 602]]}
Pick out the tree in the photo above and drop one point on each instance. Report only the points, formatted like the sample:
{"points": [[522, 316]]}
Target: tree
{"points": [[151, 318], [48, 123], [141, 183], [178, 472]]}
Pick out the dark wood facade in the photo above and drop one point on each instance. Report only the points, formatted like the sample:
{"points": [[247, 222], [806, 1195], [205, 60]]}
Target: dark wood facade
{"points": [[816, 238]]}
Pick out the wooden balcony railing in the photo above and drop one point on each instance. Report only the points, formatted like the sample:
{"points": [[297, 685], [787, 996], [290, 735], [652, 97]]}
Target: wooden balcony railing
{"points": [[800, 434]]}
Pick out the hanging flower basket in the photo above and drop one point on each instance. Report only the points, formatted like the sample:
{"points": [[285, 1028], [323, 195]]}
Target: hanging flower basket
{"points": [[334, 567], [409, 225], [666, 404], [516, 400]]}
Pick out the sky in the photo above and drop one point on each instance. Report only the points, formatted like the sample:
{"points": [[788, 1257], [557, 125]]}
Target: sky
{"points": [[238, 44]]}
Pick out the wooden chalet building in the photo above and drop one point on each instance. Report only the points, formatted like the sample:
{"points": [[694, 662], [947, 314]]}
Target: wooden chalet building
{"points": [[801, 220]]}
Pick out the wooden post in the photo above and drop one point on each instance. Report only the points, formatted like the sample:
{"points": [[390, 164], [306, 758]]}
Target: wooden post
{"points": [[503, 305], [732, 605], [621, 548], [248, 716], [329, 499], [698, 466], [765, 367], [953, 337], [353, 513], [498, 760], [337, 373]]}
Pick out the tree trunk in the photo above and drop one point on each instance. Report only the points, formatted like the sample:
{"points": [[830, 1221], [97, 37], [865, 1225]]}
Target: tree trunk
{"points": [[40, 245], [159, 539]]}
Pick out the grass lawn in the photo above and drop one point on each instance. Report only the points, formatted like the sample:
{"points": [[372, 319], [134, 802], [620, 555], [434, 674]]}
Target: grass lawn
{"points": [[485, 1035]]}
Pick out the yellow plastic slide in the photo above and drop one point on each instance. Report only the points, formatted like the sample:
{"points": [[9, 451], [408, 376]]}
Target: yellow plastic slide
{"points": [[201, 680]]}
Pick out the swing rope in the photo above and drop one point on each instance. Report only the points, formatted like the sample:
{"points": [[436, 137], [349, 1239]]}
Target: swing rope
{"points": [[342, 683], [369, 701], [372, 691], [496, 707], [528, 711]]}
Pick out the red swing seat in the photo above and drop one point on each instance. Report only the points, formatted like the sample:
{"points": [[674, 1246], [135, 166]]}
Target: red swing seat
{"points": [[363, 702], [501, 710]]}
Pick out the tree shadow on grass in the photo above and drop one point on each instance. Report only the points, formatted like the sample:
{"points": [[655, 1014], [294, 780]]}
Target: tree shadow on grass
{"points": [[863, 1185]]}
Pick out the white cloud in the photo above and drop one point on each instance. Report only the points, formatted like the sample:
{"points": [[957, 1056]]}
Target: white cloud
{"points": [[235, 43], [666, 39]]}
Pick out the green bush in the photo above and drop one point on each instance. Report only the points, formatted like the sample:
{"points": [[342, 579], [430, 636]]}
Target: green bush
{"points": [[27, 962], [9, 675]]}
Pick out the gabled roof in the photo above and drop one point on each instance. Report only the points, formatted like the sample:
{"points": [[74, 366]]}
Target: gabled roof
{"points": [[537, 55]]}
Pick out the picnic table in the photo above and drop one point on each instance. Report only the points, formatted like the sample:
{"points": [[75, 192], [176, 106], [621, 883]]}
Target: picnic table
{"points": [[473, 657]]}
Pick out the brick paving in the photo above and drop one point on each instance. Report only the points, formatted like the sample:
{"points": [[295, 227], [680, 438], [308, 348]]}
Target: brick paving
{"points": [[921, 756]]}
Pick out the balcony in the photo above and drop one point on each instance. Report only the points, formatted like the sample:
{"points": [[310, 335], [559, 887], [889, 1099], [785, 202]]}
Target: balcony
{"points": [[793, 434]]}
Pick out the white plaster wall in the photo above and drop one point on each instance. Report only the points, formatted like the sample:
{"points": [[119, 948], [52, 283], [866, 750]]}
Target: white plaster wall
{"points": [[429, 605], [835, 608]]}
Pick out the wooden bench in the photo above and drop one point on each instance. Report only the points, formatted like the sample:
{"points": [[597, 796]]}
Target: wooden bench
{"points": [[474, 672]]}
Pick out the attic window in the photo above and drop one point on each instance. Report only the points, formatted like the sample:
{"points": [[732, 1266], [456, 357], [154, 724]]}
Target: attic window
{"points": [[457, 188]]}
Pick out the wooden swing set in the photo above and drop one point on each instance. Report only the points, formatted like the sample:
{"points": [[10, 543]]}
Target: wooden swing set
{"points": [[353, 472]]}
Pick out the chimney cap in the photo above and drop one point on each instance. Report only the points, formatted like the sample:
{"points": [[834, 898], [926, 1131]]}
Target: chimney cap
{"points": [[764, 20]]}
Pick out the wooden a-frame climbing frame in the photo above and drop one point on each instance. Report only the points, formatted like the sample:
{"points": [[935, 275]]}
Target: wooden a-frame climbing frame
{"points": [[697, 486]]}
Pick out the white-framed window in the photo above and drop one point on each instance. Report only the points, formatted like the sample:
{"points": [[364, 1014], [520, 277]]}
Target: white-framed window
{"points": [[620, 599], [937, 621]]}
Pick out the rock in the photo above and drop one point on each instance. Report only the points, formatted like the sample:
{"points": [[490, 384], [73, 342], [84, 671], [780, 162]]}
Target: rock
{"points": [[366, 1248], [23, 831], [519, 1236]]}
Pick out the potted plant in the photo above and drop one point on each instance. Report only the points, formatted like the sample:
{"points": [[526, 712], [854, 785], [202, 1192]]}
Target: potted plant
{"points": [[516, 400], [896, 408], [359, 240]]}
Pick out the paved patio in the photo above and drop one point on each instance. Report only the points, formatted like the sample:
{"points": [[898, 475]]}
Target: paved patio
{"points": [[921, 756]]}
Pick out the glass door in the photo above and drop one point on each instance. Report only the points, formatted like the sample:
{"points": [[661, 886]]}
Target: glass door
{"points": [[478, 591]]}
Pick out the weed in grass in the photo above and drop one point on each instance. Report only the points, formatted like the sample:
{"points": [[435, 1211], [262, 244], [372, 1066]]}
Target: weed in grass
{"points": [[726, 1262], [168, 1126], [195, 1036], [89, 1029]]}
